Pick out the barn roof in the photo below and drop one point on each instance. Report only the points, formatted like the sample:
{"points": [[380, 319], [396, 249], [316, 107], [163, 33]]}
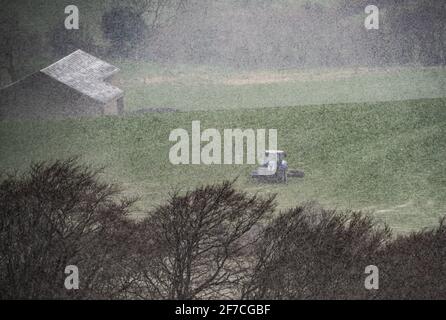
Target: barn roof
{"points": [[86, 74]]}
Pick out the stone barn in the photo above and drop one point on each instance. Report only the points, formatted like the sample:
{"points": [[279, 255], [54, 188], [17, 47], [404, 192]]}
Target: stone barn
{"points": [[79, 85]]}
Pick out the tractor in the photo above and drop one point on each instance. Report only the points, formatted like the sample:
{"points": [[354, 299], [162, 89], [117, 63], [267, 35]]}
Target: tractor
{"points": [[274, 168]]}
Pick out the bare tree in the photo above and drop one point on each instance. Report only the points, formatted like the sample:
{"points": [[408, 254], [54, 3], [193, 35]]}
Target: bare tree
{"points": [[129, 26], [198, 245], [413, 265], [312, 253], [59, 214], [158, 13]]}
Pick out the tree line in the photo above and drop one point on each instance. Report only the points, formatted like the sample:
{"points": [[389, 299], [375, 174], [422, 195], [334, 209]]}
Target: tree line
{"points": [[235, 33], [214, 242]]}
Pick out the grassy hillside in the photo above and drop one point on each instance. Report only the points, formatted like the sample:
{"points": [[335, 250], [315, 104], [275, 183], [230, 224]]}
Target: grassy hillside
{"points": [[386, 158], [202, 88]]}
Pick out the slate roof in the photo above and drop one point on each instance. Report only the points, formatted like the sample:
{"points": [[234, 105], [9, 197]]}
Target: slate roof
{"points": [[86, 74]]}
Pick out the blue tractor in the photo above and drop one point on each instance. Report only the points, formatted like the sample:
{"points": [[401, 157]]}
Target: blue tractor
{"points": [[273, 168]]}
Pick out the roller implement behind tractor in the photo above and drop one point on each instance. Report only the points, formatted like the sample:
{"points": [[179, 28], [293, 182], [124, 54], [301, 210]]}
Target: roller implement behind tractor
{"points": [[274, 168]]}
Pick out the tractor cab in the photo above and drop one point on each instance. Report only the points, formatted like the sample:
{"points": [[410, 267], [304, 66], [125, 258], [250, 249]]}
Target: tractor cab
{"points": [[277, 156], [273, 166]]}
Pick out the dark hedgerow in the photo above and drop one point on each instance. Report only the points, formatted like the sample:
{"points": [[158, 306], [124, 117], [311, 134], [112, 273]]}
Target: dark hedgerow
{"points": [[197, 245], [414, 266], [213, 242], [312, 253], [59, 214]]}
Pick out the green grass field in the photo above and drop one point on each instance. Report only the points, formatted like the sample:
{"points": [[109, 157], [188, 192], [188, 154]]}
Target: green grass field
{"points": [[385, 158], [210, 88]]}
